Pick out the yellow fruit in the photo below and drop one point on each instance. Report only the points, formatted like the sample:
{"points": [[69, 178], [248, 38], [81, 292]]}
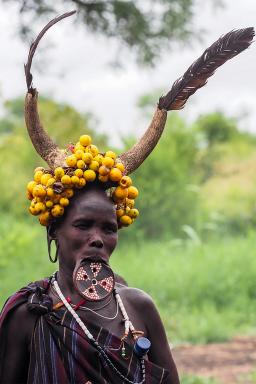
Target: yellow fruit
{"points": [[125, 182], [69, 193], [80, 164], [129, 203], [57, 210], [103, 170], [81, 183], [45, 178], [108, 162], [94, 165], [49, 192], [87, 157], [29, 195], [44, 218], [119, 212], [56, 198], [93, 150], [133, 213], [125, 220], [50, 182], [115, 174], [110, 154], [30, 186], [75, 179], [79, 172], [85, 140], [71, 161], [79, 154], [103, 179], [120, 166], [38, 175], [99, 158], [64, 201], [79, 146], [89, 175], [132, 192], [40, 207], [39, 191], [49, 204], [38, 169], [66, 180], [32, 210], [120, 193], [59, 173]]}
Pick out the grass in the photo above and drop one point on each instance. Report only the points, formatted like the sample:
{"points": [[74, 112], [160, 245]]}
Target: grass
{"points": [[196, 380], [204, 292]]}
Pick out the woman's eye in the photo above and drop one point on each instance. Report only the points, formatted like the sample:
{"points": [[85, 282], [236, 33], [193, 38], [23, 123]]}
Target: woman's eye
{"points": [[83, 225], [111, 229]]}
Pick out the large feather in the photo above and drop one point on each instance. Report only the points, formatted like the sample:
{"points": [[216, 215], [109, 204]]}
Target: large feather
{"points": [[197, 74]]}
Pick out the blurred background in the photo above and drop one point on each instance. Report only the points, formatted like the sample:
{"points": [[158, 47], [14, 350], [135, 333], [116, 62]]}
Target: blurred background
{"points": [[193, 247]]}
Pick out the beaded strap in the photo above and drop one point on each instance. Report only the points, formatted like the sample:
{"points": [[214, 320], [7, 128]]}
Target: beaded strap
{"points": [[96, 344]]}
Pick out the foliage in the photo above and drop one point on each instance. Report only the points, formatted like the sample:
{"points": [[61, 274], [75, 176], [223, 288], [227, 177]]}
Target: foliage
{"points": [[148, 27], [168, 199], [196, 380], [216, 128]]}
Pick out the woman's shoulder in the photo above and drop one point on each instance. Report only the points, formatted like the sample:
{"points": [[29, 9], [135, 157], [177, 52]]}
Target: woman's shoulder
{"points": [[135, 295]]}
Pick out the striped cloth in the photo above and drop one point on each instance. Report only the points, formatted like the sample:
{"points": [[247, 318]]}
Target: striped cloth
{"points": [[62, 354]]}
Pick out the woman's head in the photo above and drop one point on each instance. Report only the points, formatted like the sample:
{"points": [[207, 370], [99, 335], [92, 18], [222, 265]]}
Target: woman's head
{"points": [[88, 230]]}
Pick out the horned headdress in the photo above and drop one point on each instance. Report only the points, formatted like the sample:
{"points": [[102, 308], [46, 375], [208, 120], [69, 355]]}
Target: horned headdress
{"points": [[50, 190]]}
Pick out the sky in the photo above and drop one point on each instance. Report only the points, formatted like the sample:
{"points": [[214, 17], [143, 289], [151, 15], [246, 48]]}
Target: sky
{"points": [[76, 69]]}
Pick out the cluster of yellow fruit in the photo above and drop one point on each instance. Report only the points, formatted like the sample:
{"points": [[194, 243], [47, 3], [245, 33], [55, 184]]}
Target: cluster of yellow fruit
{"points": [[50, 191]]}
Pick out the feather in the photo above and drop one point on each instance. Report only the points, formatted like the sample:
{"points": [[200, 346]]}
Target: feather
{"points": [[33, 47], [196, 76]]}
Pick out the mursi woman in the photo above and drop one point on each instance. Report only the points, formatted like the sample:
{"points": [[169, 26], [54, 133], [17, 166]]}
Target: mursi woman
{"points": [[83, 324]]}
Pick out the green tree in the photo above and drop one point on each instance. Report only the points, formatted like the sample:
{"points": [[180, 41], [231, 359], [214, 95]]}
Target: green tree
{"points": [[148, 27], [215, 128], [168, 199]]}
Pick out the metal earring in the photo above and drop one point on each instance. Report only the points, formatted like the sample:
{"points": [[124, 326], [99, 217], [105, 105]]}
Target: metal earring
{"points": [[53, 260]]}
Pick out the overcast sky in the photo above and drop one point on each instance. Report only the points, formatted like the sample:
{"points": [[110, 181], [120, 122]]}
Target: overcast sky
{"points": [[77, 71]]}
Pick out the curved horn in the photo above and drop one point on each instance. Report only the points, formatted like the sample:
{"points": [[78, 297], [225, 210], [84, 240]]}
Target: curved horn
{"points": [[42, 142], [135, 156], [225, 48]]}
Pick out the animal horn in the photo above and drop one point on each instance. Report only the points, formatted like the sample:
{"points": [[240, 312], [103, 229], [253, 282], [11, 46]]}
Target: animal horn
{"points": [[42, 142], [225, 48]]}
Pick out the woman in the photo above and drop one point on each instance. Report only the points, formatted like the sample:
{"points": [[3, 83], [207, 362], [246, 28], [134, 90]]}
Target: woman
{"points": [[49, 347], [80, 326]]}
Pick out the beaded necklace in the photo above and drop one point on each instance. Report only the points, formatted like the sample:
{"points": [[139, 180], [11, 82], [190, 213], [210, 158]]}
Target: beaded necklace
{"points": [[101, 350], [83, 308]]}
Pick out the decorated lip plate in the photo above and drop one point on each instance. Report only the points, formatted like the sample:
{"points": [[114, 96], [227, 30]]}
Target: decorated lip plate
{"points": [[94, 280]]}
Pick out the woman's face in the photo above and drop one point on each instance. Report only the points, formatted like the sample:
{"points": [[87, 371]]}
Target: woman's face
{"points": [[89, 229]]}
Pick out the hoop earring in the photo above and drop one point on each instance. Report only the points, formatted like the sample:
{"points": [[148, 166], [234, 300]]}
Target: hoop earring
{"points": [[53, 260]]}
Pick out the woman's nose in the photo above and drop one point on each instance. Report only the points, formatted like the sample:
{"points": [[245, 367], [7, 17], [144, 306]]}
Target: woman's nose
{"points": [[96, 242]]}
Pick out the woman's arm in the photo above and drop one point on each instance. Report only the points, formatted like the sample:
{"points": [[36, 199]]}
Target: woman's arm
{"points": [[160, 352], [18, 330]]}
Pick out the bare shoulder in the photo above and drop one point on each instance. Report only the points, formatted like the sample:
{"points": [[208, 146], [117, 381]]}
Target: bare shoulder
{"points": [[135, 295]]}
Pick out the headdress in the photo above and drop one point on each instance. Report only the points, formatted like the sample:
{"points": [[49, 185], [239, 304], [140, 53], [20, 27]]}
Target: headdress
{"points": [[51, 189]]}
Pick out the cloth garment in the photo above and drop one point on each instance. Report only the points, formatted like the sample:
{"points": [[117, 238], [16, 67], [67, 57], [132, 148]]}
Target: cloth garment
{"points": [[60, 351]]}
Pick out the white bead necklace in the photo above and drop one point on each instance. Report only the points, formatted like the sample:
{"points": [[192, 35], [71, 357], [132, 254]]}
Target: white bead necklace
{"points": [[128, 326]]}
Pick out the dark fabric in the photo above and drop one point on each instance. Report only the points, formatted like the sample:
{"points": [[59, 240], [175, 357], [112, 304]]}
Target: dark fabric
{"points": [[61, 353]]}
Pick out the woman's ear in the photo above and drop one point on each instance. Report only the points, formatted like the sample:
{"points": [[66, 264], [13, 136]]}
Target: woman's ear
{"points": [[51, 232]]}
